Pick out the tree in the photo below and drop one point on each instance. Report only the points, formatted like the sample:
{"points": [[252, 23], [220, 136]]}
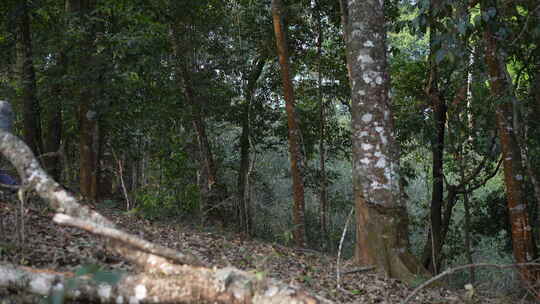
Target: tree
{"points": [[294, 135], [244, 210], [27, 76], [185, 47], [86, 95], [52, 113], [382, 234], [500, 85]]}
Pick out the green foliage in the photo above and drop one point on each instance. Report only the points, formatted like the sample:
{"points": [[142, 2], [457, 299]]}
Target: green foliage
{"points": [[492, 249], [155, 202]]}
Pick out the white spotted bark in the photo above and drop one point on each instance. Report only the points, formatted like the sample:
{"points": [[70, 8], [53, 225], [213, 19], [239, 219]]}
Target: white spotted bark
{"points": [[381, 216]]}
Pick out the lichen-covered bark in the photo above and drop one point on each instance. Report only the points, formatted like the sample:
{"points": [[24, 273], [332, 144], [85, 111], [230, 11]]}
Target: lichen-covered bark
{"points": [[294, 136], [187, 285], [381, 215], [522, 239]]}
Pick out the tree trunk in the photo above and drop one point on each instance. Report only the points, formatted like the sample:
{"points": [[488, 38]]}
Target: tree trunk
{"points": [[212, 191], [522, 239], [88, 114], [88, 142], [323, 189], [294, 136], [244, 212], [27, 76], [534, 125], [382, 233], [53, 123], [437, 150], [431, 259]]}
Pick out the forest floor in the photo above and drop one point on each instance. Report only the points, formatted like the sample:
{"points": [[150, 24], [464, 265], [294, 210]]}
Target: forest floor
{"points": [[49, 246]]}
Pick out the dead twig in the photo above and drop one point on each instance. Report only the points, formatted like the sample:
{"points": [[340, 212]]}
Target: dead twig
{"points": [[338, 275]]}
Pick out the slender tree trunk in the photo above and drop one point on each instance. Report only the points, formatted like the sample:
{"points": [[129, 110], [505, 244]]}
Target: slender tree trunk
{"points": [[467, 225], [522, 239], [244, 212], [212, 191], [323, 191], [431, 259], [29, 102], [382, 233], [295, 151]]}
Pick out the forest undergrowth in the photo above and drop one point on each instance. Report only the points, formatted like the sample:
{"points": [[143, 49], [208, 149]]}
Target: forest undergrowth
{"points": [[38, 242]]}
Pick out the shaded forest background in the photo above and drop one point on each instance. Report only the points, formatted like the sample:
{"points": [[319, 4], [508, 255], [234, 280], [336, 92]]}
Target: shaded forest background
{"points": [[173, 110]]}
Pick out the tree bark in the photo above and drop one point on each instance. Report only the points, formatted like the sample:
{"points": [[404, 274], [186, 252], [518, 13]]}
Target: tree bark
{"points": [[27, 76], [431, 261], [88, 114], [382, 233], [53, 138], [53, 124], [323, 187], [522, 240], [294, 136]]}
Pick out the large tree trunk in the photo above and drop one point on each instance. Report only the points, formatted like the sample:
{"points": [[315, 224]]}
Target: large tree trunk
{"points": [[295, 151], [244, 210], [522, 238], [382, 234], [27, 76]]}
